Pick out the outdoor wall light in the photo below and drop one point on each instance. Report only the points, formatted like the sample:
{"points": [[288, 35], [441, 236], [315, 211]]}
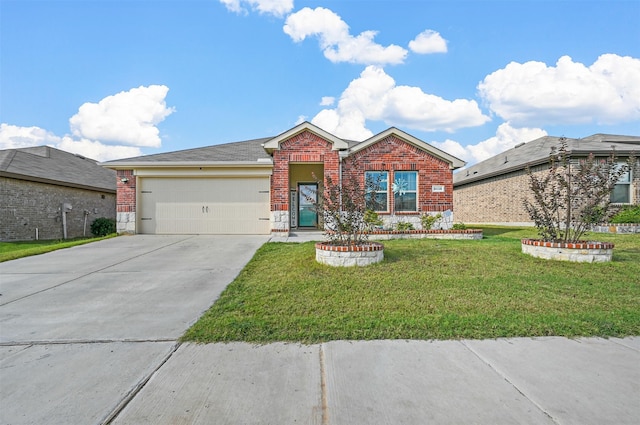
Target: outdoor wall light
{"points": [[124, 180]]}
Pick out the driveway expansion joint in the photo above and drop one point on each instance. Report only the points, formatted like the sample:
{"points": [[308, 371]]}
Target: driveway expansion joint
{"points": [[138, 387], [510, 382]]}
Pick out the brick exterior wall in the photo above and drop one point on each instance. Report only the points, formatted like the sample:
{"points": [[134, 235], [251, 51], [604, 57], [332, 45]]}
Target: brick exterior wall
{"points": [[126, 199], [304, 147], [126, 202], [29, 205], [392, 154], [494, 200], [500, 199]]}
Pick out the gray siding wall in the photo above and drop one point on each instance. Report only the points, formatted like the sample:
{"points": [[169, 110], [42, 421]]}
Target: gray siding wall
{"points": [[26, 205]]}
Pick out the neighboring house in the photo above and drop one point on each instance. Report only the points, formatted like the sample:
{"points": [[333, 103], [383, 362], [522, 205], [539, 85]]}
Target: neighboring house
{"points": [[493, 190], [262, 186], [45, 192]]}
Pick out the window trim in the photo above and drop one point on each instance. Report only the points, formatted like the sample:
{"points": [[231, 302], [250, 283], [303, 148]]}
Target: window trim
{"points": [[627, 182], [416, 191], [386, 191]]}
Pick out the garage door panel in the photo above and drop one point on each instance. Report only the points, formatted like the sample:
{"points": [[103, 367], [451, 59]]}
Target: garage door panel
{"points": [[205, 205]]}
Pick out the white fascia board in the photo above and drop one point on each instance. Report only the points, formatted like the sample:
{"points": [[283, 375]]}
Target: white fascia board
{"points": [[274, 144], [125, 165], [238, 172]]}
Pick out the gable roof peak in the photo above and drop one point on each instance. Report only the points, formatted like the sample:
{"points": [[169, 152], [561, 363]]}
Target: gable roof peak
{"points": [[454, 162], [274, 143]]}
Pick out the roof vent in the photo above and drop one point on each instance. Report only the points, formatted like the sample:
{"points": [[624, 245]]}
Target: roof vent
{"points": [[518, 145]]}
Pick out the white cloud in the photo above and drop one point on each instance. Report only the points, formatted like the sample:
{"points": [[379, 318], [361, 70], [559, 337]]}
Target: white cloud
{"points": [[375, 96], [96, 150], [128, 118], [336, 42], [533, 93], [428, 41], [278, 8], [15, 137], [453, 148], [506, 138], [327, 101], [99, 130]]}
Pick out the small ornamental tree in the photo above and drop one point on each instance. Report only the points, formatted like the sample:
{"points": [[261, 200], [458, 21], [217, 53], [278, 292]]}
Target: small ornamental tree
{"points": [[571, 197], [343, 209]]}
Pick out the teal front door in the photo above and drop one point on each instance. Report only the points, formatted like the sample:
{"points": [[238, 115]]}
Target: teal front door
{"points": [[307, 198]]}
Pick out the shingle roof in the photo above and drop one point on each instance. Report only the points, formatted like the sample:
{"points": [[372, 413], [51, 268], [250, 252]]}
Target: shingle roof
{"points": [[246, 151], [537, 152], [249, 151], [49, 165]]}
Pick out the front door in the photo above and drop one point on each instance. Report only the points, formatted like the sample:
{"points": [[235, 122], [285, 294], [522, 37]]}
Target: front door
{"points": [[307, 198]]}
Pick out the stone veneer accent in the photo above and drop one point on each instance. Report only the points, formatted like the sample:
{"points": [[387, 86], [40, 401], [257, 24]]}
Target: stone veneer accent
{"points": [[617, 228], [279, 221], [582, 252], [349, 256]]}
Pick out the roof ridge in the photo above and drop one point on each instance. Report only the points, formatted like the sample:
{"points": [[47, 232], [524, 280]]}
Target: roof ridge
{"points": [[6, 161]]}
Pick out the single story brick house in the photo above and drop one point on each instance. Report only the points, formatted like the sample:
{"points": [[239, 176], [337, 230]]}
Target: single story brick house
{"points": [[47, 193], [492, 191], [262, 186]]}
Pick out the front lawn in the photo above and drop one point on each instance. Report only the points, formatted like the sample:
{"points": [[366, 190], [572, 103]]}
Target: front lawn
{"points": [[428, 289], [15, 250]]}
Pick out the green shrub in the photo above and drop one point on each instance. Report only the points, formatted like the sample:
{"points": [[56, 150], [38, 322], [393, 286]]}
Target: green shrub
{"points": [[372, 219], [428, 220], [629, 214], [459, 226], [103, 226], [403, 226]]}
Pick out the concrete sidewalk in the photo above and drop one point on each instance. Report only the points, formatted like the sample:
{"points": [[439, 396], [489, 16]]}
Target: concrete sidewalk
{"points": [[508, 381]]}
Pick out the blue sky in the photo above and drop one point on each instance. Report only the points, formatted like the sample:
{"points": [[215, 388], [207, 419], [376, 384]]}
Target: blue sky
{"points": [[121, 78]]}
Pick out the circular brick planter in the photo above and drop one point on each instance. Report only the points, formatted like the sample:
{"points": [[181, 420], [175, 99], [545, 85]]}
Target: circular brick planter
{"points": [[348, 256], [581, 252]]}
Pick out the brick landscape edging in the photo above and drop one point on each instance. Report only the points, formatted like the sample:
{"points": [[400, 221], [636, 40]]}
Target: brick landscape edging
{"points": [[426, 234], [349, 255], [583, 251], [578, 245]]}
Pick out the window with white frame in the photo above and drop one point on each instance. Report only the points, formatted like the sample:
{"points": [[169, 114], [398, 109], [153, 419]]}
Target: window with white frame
{"points": [[621, 193], [405, 191], [377, 185]]}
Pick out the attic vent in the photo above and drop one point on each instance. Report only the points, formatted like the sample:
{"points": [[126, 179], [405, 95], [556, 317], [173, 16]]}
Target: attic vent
{"points": [[80, 156], [518, 145]]}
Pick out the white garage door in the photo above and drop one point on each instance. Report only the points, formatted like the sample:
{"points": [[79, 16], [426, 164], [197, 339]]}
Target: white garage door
{"points": [[217, 205]]}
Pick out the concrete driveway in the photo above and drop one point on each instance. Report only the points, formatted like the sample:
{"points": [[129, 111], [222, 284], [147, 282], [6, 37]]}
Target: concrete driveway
{"points": [[81, 329]]}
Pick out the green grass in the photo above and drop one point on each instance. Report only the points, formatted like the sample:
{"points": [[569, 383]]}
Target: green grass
{"points": [[15, 250], [428, 289]]}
